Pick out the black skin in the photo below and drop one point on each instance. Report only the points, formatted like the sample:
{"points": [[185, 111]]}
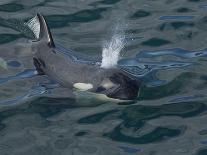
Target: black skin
{"points": [[61, 68]]}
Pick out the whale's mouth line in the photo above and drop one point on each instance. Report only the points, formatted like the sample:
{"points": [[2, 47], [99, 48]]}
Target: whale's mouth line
{"points": [[102, 97], [113, 90]]}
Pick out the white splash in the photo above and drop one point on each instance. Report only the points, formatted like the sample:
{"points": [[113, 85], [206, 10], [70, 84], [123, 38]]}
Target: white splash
{"points": [[34, 25], [111, 51]]}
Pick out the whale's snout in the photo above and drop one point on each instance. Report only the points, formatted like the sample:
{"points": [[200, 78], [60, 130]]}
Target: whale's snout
{"points": [[119, 86]]}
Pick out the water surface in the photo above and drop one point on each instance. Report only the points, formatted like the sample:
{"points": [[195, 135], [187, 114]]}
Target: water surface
{"points": [[165, 46]]}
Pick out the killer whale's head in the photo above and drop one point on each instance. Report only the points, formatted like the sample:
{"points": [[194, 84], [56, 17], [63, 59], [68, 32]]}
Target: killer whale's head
{"points": [[119, 85]]}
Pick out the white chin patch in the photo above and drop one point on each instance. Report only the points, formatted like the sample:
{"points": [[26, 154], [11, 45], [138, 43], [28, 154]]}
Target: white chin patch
{"points": [[83, 86], [34, 25]]}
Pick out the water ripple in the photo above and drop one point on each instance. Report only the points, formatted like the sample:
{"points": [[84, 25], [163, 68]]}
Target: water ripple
{"points": [[176, 17], [165, 47]]}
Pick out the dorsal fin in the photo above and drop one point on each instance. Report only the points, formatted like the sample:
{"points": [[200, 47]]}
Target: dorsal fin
{"points": [[45, 33]]}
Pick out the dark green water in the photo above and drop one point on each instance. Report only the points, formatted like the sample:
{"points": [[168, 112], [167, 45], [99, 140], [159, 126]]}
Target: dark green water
{"points": [[166, 43]]}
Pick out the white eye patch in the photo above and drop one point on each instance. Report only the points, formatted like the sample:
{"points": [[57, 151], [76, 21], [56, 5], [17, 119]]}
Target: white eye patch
{"points": [[83, 86], [107, 84]]}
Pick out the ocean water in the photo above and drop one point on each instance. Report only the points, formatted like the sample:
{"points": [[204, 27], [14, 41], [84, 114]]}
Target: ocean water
{"points": [[164, 44]]}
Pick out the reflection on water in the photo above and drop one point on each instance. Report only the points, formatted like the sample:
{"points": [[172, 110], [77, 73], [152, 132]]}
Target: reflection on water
{"points": [[165, 46]]}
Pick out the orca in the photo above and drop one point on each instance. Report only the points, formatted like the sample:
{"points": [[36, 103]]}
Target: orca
{"points": [[114, 82]]}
